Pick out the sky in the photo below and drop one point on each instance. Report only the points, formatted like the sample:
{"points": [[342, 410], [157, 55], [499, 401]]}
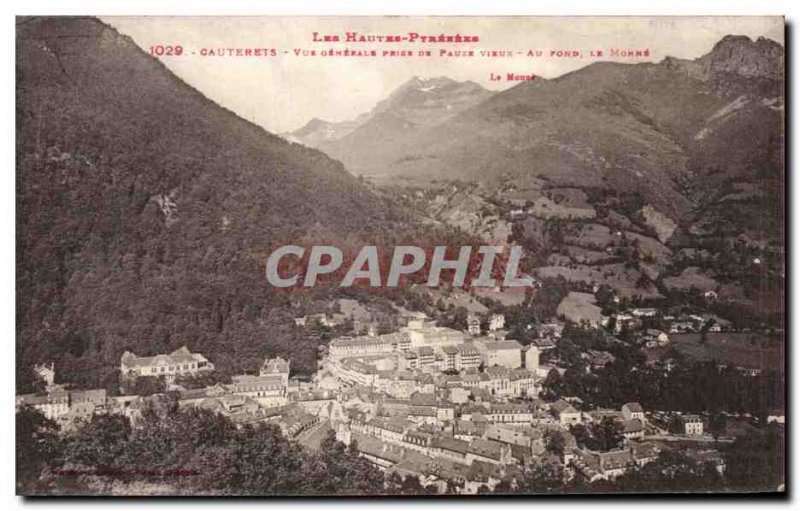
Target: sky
{"points": [[284, 92]]}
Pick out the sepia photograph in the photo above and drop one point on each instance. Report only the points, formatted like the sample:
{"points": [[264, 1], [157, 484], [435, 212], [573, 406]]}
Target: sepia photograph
{"points": [[400, 256]]}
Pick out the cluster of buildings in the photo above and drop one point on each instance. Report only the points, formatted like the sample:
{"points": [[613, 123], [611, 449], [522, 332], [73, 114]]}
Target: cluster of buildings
{"points": [[479, 444], [422, 357], [250, 399], [250, 394], [446, 407], [687, 424], [634, 319], [67, 407], [64, 406], [459, 410], [604, 466], [427, 348]]}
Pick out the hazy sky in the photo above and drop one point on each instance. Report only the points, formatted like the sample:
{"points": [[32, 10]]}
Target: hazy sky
{"points": [[284, 92]]}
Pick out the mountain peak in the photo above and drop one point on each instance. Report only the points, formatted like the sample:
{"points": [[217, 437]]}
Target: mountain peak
{"points": [[314, 124], [432, 80], [744, 42], [434, 83], [417, 101], [417, 96], [741, 55], [416, 83], [735, 55]]}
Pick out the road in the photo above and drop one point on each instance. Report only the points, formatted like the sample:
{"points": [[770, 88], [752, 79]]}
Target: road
{"points": [[674, 438]]}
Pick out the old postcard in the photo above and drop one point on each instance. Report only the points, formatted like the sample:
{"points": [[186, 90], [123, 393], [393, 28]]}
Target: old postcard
{"points": [[361, 256]]}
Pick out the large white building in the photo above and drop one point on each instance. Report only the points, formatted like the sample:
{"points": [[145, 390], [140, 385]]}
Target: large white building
{"points": [[633, 411], [435, 336], [691, 425], [501, 353], [496, 322], [179, 362], [368, 345], [53, 405], [59, 404], [276, 367], [530, 356], [268, 391]]}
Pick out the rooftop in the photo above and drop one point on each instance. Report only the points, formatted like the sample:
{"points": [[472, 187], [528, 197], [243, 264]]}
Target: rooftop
{"points": [[633, 407], [179, 356], [486, 448], [502, 345]]}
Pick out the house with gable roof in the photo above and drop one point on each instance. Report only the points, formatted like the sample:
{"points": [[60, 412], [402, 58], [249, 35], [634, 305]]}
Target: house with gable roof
{"points": [[179, 362]]}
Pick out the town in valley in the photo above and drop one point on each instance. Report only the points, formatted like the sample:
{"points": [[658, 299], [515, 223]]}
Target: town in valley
{"points": [[463, 409]]}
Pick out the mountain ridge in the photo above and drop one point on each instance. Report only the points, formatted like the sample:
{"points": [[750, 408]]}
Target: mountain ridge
{"points": [[608, 124], [416, 102]]}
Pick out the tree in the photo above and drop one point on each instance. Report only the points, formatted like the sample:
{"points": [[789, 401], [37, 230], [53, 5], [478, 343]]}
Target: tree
{"points": [[102, 442], [265, 463], [338, 469], [608, 434], [37, 444], [704, 330], [717, 425], [672, 472], [554, 442], [755, 460], [144, 385], [541, 478], [412, 486]]}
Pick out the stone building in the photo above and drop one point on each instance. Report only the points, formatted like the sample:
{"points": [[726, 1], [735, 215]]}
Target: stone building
{"points": [[179, 362]]}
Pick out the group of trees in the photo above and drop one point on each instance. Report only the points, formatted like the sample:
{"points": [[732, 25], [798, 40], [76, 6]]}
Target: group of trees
{"points": [[539, 307], [186, 451], [688, 386], [753, 462], [605, 435], [543, 477], [673, 472], [757, 460]]}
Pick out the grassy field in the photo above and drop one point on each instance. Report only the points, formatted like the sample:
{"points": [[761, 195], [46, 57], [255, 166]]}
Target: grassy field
{"points": [[689, 278], [747, 350], [622, 279], [590, 257], [595, 236]]}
